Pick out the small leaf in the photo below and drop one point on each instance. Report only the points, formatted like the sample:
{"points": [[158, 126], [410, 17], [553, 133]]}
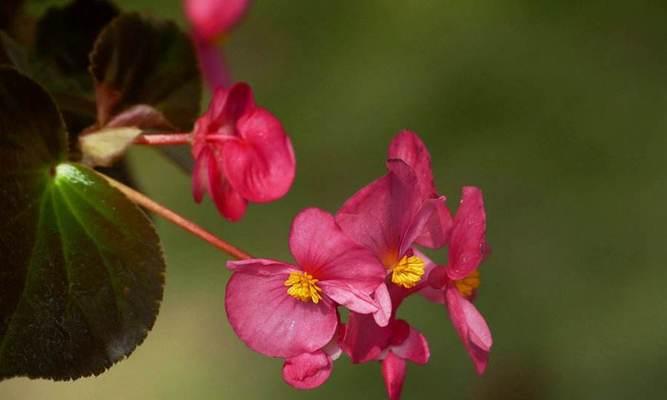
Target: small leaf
{"points": [[141, 116], [141, 60], [103, 148], [82, 268]]}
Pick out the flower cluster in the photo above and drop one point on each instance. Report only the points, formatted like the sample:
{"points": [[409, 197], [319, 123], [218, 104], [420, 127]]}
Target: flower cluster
{"points": [[366, 259]]}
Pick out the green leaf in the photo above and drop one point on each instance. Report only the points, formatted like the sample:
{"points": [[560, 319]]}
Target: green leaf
{"points": [[141, 60], [82, 268], [77, 103]]}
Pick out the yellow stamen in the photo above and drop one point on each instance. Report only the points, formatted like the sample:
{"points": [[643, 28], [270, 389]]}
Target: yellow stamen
{"points": [[408, 272], [467, 285], [303, 286]]}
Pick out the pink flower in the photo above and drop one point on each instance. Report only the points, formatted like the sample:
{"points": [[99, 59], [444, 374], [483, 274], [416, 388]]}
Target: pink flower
{"points": [[407, 146], [284, 310], [393, 345], [212, 20], [387, 217], [459, 280], [241, 153], [310, 370]]}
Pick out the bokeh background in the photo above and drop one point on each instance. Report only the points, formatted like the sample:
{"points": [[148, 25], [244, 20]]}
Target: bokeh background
{"points": [[557, 110]]}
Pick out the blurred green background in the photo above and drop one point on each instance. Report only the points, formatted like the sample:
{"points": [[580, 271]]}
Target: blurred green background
{"points": [[557, 110]]}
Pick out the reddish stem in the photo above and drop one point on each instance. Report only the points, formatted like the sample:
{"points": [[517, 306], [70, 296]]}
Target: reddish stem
{"points": [[160, 139], [176, 219]]}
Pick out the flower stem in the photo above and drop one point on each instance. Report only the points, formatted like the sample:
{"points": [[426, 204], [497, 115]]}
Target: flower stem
{"points": [[178, 220], [163, 139]]}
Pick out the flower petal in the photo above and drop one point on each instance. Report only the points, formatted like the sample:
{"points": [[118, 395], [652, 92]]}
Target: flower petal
{"points": [[363, 339], [273, 323], [322, 249], [421, 222], [212, 18], [414, 347], [349, 297], [261, 164], [393, 372], [385, 305], [200, 183], [228, 106], [436, 231], [261, 267], [308, 370], [407, 146], [471, 328], [228, 201], [380, 215], [468, 246]]}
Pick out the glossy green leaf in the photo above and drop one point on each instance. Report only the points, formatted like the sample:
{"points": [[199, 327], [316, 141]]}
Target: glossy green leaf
{"points": [[140, 60], [82, 272]]}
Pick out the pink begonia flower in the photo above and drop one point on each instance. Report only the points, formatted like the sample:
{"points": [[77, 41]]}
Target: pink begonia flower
{"points": [[387, 216], [310, 370], [211, 21], [407, 146], [283, 310], [242, 154], [459, 280], [212, 18], [393, 345]]}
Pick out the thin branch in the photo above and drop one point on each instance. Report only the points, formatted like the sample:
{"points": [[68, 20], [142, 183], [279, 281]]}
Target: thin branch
{"points": [[178, 220], [163, 139]]}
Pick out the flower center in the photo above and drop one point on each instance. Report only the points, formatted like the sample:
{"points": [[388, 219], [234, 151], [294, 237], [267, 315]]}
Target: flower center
{"points": [[303, 286], [408, 272], [467, 285]]}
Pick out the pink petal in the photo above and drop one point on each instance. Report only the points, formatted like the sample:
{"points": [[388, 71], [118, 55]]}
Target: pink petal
{"points": [[384, 303], [200, 183], [322, 249], [436, 230], [212, 18], [308, 370], [467, 248], [471, 328], [212, 63], [261, 164], [349, 297], [414, 348], [273, 323], [379, 216], [393, 372], [421, 222], [407, 146], [261, 267], [207, 177], [228, 106], [363, 339], [228, 201]]}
